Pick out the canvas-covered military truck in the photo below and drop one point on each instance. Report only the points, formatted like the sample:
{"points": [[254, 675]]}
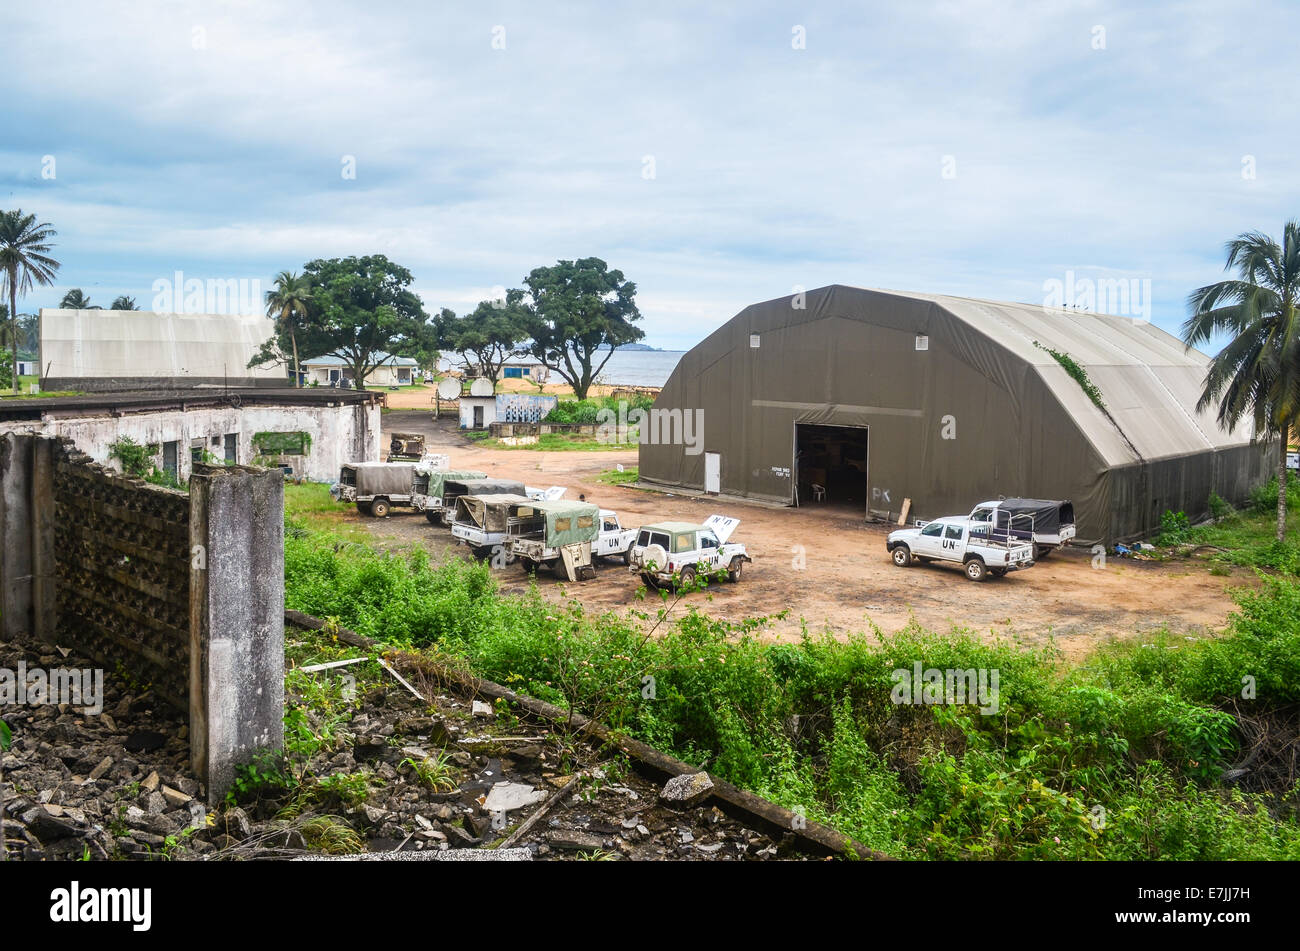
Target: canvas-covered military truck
{"points": [[375, 487], [453, 489], [479, 521], [428, 486], [559, 534], [676, 553], [1048, 524]]}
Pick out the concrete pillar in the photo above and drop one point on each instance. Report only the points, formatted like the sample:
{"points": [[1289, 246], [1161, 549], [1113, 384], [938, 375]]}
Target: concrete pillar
{"points": [[15, 534], [45, 616], [236, 619]]}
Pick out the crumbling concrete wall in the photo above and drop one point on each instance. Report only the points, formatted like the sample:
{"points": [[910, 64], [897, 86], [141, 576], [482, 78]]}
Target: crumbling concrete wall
{"points": [[183, 592], [122, 571], [339, 434]]}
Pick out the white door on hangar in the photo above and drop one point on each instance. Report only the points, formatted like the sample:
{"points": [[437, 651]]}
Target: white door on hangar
{"points": [[713, 472]]}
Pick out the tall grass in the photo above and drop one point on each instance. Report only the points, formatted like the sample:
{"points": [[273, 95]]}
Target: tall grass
{"points": [[1118, 758]]}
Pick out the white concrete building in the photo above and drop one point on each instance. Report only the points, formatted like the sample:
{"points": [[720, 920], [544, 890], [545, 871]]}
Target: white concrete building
{"points": [[312, 433], [332, 369]]}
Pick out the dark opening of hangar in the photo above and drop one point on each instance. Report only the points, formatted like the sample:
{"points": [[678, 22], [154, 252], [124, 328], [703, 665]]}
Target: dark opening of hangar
{"points": [[831, 465]]}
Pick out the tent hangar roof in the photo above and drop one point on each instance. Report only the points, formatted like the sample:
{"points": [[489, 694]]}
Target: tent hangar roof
{"points": [[1148, 380]]}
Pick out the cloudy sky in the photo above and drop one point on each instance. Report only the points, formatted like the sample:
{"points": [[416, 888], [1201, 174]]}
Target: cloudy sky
{"points": [[717, 157]]}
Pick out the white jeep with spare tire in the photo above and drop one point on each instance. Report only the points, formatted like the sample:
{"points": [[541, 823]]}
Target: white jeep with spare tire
{"points": [[676, 553], [959, 540]]}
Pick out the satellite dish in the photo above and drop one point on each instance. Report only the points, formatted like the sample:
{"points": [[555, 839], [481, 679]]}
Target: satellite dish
{"points": [[449, 389], [481, 387]]}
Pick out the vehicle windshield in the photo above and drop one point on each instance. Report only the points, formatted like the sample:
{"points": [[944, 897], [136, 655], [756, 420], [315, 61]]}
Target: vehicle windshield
{"points": [[982, 515], [708, 540]]}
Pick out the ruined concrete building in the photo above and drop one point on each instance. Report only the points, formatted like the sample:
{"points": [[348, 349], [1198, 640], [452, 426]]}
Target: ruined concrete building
{"points": [[309, 433]]}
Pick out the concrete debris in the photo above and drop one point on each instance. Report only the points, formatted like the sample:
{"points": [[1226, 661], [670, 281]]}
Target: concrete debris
{"points": [[689, 789], [506, 797]]}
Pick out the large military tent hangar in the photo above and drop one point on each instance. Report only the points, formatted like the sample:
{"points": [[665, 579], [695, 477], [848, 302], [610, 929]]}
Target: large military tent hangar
{"points": [[860, 399]]}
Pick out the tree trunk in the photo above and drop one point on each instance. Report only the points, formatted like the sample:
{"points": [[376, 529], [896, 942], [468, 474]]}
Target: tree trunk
{"points": [[297, 373], [13, 321], [1281, 490]]}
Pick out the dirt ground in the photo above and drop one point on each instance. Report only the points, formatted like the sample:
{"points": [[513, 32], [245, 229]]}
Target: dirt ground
{"points": [[422, 397], [846, 582]]}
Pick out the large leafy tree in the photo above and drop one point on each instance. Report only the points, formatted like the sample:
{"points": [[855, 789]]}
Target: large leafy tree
{"points": [[75, 299], [24, 261], [578, 312], [123, 302], [489, 336], [288, 304], [1256, 375], [362, 307]]}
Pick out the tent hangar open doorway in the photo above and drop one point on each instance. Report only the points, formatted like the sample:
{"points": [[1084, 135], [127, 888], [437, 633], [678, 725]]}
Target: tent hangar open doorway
{"points": [[830, 466]]}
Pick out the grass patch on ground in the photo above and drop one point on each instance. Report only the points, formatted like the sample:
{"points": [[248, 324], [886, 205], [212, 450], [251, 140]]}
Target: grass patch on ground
{"points": [[1120, 757], [309, 505], [625, 476], [1247, 537], [559, 442]]}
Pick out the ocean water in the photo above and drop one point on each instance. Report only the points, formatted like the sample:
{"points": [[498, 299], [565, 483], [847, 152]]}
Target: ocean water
{"points": [[640, 367]]}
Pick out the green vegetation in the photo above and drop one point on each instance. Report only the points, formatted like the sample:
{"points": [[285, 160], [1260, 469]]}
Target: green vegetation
{"points": [[1239, 537], [625, 476], [1077, 373], [282, 444], [434, 771], [137, 462], [1120, 758], [555, 442], [1256, 375], [586, 411], [25, 263]]}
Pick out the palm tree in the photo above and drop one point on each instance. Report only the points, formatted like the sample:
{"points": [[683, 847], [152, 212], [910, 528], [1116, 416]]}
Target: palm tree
{"points": [[24, 261], [123, 303], [287, 302], [75, 300], [1257, 373]]}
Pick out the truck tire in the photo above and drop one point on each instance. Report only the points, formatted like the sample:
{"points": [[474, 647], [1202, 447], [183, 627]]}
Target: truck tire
{"points": [[976, 570], [902, 556], [433, 517], [1042, 551], [735, 570], [650, 581], [998, 572], [686, 579], [379, 508], [364, 508], [627, 555], [529, 566]]}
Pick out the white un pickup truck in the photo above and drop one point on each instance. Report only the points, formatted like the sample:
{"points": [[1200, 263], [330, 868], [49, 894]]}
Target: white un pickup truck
{"points": [[959, 540]]}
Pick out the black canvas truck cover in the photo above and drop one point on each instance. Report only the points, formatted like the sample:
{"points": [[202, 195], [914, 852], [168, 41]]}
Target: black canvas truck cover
{"points": [[1048, 516]]}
